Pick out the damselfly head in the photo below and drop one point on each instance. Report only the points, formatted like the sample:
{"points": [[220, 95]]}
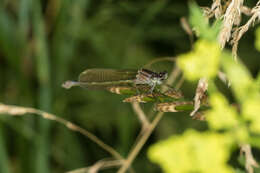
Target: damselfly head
{"points": [[163, 75]]}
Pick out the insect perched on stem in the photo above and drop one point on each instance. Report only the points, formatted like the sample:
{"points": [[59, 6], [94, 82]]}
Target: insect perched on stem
{"points": [[107, 78]]}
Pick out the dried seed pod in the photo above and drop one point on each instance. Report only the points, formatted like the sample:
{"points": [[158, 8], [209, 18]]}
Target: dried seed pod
{"points": [[172, 106], [138, 98], [173, 94], [121, 89]]}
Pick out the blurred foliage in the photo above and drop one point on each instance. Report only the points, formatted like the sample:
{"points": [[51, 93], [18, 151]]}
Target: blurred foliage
{"points": [[202, 62], [234, 124], [43, 43], [202, 26], [193, 152]]}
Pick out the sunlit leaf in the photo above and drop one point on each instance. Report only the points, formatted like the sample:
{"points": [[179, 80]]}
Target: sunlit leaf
{"points": [[200, 24], [193, 152], [257, 41], [222, 115], [242, 83], [251, 110], [203, 61]]}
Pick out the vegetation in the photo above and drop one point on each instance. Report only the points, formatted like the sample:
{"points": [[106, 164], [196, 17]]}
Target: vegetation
{"points": [[201, 126]]}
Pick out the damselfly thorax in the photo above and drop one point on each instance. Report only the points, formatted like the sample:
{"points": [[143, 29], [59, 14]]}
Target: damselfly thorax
{"points": [[148, 77]]}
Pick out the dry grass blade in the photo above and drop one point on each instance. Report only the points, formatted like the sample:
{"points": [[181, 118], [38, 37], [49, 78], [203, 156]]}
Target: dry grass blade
{"points": [[246, 10], [250, 161], [18, 111], [232, 17], [216, 8], [239, 32]]}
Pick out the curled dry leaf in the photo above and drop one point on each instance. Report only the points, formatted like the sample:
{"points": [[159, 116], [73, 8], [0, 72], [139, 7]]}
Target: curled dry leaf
{"points": [[199, 116], [200, 94], [250, 161]]}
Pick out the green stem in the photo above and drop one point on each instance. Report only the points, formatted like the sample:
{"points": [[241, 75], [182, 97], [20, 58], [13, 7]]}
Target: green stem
{"points": [[3, 156], [44, 92]]}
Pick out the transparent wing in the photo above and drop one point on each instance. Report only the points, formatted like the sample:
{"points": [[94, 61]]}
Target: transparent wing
{"points": [[106, 75], [99, 78]]}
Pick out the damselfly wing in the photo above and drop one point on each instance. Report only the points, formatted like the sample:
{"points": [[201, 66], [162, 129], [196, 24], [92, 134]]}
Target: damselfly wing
{"points": [[100, 78], [106, 75]]}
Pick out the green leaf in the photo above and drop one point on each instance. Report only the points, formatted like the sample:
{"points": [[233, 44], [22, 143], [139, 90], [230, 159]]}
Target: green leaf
{"points": [[193, 152], [203, 61], [245, 89], [257, 41], [222, 115], [200, 24], [250, 111], [242, 83]]}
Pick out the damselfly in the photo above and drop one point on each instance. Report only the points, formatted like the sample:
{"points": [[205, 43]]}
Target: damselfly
{"points": [[99, 78]]}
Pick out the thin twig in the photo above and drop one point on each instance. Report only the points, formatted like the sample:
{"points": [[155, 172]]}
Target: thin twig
{"points": [[141, 115], [140, 143], [158, 60], [19, 110], [180, 82], [100, 165], [173, 76], [187, 28]]}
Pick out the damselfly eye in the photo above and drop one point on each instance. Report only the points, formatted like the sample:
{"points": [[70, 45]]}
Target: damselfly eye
{"points": [[163, 75]]}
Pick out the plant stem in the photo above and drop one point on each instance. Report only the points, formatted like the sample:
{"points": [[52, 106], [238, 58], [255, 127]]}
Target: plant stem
{"points": [[140, 143]]}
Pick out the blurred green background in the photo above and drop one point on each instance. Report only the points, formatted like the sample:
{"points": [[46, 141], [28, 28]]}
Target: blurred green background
{"points": [[44, 43]]}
